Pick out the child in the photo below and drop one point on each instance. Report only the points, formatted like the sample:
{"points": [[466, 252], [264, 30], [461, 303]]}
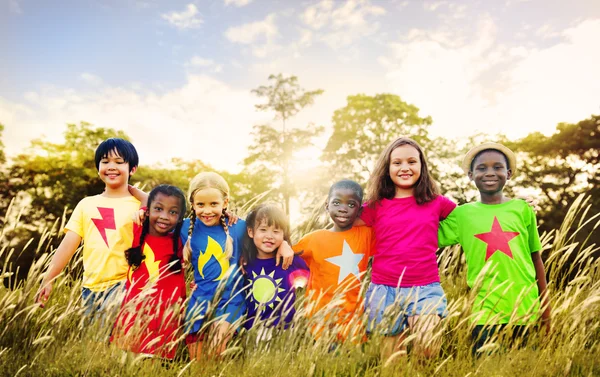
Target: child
{"points": [[150, 317], [404, 208], [104, 223], [338, 257], [501, 244], [213, 246], [271, 293]]}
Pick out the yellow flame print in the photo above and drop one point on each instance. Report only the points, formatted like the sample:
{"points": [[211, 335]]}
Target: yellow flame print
{"points": [[213, 249], [151, 264]]}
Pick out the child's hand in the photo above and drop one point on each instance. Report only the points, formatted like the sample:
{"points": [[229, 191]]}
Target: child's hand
{"points": [[41, 297], [532, 201], [286, 253], [243, 265], [233, 218], [139, 216], [546, 321]]}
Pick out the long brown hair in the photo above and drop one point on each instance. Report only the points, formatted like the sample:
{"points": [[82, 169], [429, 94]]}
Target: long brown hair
{"points": [[381, 186]]}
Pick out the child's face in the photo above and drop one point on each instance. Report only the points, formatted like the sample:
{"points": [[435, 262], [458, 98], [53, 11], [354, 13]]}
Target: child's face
{"points": [[490, 172], [344, 207], [267, 239], [114, 171], [405, 167], [163, 214], [208, 205]]}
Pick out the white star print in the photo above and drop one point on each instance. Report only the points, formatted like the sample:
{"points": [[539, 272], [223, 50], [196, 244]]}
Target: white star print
{"points": [[347, 262]]}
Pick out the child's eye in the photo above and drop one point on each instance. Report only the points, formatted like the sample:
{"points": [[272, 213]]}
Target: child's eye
{"points": [[351, 205], [174, 213]]}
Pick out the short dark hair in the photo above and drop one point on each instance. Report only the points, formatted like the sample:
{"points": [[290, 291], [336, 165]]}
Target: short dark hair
{"points": [[272, 214], [123, 147], [347, 184], [489, 150]]}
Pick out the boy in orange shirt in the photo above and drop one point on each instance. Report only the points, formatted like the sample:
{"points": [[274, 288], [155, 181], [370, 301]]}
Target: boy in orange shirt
{"points": [[337, 259]]}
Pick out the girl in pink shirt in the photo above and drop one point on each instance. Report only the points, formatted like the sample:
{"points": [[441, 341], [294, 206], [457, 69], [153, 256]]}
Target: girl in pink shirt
{"points": [[404, 208]]}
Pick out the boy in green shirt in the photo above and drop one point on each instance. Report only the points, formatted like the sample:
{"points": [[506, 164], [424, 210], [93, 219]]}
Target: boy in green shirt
{"points": [[501, 244]]}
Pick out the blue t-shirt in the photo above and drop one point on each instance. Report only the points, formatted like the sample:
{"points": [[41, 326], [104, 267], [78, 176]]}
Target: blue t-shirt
{"points": [[210, 270], [270, 290]]}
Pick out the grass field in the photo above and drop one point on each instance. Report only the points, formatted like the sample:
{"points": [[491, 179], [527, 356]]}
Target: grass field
{"points": [[51, 341]]}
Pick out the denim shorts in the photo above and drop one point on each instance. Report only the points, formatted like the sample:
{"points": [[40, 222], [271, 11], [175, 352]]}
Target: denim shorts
{"points": [[101, 306], [388, 308]]}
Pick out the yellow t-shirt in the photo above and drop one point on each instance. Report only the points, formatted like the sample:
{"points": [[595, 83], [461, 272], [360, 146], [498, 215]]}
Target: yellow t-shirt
{"points": [[106, 227]]}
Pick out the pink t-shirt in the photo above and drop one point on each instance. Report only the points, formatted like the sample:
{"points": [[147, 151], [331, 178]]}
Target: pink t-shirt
{"points": [[406, 239]]}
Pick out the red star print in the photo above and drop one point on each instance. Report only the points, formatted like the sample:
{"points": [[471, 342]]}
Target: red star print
{"points": [[497, 240]]}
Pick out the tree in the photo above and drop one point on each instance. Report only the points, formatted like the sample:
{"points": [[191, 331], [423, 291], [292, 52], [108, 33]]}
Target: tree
{"points": [[364, 127], [270, 154], [561, 167]]}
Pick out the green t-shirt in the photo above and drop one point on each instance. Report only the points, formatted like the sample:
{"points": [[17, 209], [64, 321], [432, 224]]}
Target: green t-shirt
{"points": [[497, 240]]}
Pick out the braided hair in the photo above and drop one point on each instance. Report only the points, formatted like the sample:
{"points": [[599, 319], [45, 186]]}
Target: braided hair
{"points": [[200, 182], [135, 255]]}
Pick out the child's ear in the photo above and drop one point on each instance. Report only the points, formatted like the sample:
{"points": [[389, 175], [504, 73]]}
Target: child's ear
{"points": [[250, 232], [508, 174], [133, 170], [470, 175], [225, 203]]}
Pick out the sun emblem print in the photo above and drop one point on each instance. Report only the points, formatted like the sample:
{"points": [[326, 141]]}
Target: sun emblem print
{"points": [[265, 289]]}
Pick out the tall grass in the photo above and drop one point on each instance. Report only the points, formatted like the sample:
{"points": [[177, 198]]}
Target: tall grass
{"points": [[54, 341]]}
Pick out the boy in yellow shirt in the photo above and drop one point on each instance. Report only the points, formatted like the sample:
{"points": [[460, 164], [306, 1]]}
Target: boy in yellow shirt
{"points": [[105, 225]]}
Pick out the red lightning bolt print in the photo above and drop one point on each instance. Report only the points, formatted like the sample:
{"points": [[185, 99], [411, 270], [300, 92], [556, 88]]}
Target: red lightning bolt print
{"points": [[106, 221]]}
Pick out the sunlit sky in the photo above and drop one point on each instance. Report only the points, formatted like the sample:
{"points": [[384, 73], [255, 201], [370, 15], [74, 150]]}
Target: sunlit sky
{"points": [[176, 75]]}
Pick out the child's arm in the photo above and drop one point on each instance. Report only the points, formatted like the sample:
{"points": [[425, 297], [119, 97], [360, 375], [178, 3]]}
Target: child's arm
{"points": [[540, 275], [139, 195], [285, 253], [61, 257]]}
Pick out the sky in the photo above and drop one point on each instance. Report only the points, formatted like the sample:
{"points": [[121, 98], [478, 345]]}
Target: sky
{"points": [[177, 76]]}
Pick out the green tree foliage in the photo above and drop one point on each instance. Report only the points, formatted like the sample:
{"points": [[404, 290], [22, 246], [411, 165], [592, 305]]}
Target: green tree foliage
{"points": [[57, 175], [364, 127], [272, 149], [2, 155], [561, 167]]}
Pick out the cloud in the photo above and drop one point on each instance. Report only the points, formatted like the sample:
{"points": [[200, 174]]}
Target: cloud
{"points": [[260, 35], [481, 84], [90, 78], [14, 6], [238, 3], [341, 24], [187, 19], [204, 119], [199, 62]]}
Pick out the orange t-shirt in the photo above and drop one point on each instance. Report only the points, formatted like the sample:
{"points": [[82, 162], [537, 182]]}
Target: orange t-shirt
{"points": [[337, 263]]}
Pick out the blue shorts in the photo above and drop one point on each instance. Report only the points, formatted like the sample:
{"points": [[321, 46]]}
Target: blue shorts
{"points": [[102, 305], [388, 308]]}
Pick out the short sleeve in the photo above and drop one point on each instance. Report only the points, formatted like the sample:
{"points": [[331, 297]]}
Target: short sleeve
{"points": [[535, 244], [75, 223], [368, 215], [446, 207], [448, 230], [303, 246], [299, 264], [183, 235]]}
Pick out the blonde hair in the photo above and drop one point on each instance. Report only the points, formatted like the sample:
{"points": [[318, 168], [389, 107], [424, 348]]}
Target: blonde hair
{"points": [[201, 182]]}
